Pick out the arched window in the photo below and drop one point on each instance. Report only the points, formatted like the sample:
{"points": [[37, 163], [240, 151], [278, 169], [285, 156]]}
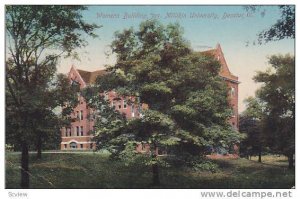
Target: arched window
{"points": [[73, 145]]}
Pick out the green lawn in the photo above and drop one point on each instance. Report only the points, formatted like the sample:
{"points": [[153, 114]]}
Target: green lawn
{"points": [[97, 171]]}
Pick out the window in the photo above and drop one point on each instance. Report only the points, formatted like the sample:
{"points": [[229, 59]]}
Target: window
{"points": [[73, 145], [81, 146], [77, 114], [106, 96], [132, 110], [91, 145], [77, 130], [124, 104], [143, 146], [120, 106], [232, 92], [81, 130], [70, 132], [81, 115], [66, 146]]}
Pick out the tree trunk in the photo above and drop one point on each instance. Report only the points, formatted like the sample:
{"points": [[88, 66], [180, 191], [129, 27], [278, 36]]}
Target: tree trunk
{"points": [[155, 168], [39, 147], [24, 167], [155, 174], [259, 154], [291, 161]]}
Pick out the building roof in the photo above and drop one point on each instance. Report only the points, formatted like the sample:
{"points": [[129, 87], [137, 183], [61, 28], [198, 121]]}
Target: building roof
{"points": [[90, 77], [217, 53]]}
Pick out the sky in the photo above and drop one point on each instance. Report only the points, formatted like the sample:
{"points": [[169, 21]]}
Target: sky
{"points": [[204, 26]]}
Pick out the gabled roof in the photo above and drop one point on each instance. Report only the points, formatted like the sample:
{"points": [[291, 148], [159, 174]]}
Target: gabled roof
{"points": [[217, 53], [90, 77]]}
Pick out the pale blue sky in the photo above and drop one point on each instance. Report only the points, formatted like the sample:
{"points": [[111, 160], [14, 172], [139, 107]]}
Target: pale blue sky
{"points": [[232, 33]]}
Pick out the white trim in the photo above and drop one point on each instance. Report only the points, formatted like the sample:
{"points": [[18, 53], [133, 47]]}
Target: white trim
{"points": [[76, 142], [84, 84], [79, 136], [231, 80]]}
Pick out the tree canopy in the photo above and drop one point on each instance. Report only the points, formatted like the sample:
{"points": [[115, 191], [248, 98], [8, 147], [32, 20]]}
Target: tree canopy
{"points": [[272, 112], [36, 36], [284, 28], [187, 100], [251, 123], [278, 94]]}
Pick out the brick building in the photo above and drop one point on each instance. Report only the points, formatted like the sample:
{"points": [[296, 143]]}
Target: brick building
{"points": [[78, 134], [231, 81]]}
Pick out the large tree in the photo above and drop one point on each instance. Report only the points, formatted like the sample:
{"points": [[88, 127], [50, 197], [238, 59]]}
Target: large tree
{"points": [[278, 96], [36, 36], [187, 105]]}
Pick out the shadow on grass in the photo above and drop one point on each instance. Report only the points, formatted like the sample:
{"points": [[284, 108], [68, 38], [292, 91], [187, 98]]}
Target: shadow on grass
{"points": [[97, 171]]}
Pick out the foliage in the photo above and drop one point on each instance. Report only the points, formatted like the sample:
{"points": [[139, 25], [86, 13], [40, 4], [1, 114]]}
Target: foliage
{"points": [[251, 124], [187, 100], [284, 28], [36, 36], [278, 94], [206, 166]]}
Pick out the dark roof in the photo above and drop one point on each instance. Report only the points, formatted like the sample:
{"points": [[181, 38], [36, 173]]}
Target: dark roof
{"points": [[211, 52], [90, 77]]}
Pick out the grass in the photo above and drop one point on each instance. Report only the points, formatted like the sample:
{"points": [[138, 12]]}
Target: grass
{"points": [[97, 171], [279, 160]]}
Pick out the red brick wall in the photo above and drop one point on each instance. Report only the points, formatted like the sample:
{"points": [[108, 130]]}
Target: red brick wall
{"points": [[83, 116], [233, 101]]}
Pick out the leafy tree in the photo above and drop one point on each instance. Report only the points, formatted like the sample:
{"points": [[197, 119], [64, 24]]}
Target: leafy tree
{"points": [[187, 101], [57, 94], [251, 124], [278, 95], [284, 28], [36, 36]]}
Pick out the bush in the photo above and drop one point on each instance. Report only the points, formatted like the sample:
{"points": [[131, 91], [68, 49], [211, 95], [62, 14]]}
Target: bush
{"points": [[206, 166]]}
